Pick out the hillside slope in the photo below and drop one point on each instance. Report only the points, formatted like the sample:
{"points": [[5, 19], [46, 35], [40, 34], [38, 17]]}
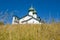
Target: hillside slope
{"points": [[30, 32]]}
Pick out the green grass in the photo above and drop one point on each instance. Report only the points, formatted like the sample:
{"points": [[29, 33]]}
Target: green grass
{"points": [[30, 32]]}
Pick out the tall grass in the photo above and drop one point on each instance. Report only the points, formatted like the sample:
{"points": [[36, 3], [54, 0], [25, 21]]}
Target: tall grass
{"points": [[30, 32]]}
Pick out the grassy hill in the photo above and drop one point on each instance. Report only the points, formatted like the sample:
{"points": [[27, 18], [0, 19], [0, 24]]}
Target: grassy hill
{"points": [[30, 32]]}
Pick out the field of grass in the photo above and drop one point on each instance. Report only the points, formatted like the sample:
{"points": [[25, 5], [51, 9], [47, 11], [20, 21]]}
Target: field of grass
{"points": [[30, 32]]}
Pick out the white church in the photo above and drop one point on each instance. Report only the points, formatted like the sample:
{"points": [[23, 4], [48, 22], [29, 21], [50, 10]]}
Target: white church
{"points": [[31, 18]]}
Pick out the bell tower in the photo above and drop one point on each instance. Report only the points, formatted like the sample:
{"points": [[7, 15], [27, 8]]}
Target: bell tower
{"points": [[32, 12]]}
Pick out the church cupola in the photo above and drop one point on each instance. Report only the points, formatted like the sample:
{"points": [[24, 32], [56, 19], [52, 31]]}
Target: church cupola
{"points": [[31, 9], [32, 12]]}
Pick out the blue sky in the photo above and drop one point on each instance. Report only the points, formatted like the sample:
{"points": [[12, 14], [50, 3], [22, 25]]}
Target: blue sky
{"points": [[44, 8]]}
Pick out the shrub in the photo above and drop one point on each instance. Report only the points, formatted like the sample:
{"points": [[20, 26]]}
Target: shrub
{"points": [[1, 23]]}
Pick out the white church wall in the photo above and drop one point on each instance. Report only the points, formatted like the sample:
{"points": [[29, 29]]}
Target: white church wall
{"points": [[33, 21], [25, 18], [35, 16], [31, 13], [13, 20]]}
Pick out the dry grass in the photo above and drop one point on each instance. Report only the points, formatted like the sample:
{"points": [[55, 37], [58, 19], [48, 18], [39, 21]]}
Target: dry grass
{"points": [[30, 32]]}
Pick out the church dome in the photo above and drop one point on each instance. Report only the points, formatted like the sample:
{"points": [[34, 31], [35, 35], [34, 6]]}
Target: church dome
{"points": [[31, 9]]}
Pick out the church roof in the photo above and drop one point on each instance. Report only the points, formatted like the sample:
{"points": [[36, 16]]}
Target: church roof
{"points": [[31, 8], [32, 18], [35, 18], [38, 19]]}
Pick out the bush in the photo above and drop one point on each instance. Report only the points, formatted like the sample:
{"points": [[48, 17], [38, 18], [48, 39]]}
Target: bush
{"points": [[1, 23]]}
